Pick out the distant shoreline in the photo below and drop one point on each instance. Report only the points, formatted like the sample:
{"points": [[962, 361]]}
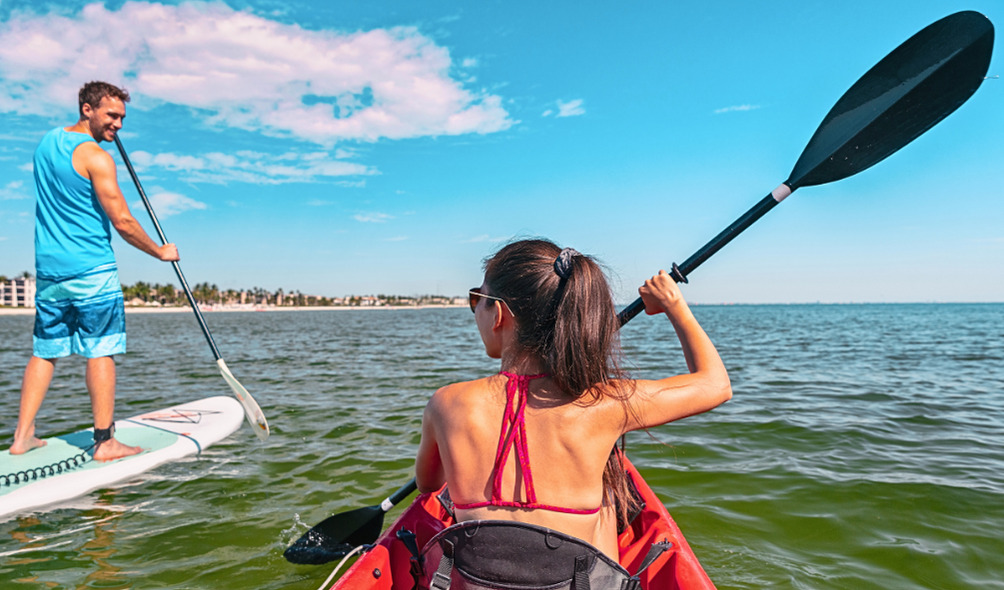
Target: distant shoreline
{"points": [[245, 309]]}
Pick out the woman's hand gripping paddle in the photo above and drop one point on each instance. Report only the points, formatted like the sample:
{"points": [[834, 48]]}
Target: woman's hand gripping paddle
{"points": [[254, 414], [913, 88]]}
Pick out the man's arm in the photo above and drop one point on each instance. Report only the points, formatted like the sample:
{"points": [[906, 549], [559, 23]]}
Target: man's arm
{"points": [[100, 168]]}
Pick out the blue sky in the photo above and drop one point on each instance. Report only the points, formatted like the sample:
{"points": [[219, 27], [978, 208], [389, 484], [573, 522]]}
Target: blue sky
{"points": [[364, 147]]}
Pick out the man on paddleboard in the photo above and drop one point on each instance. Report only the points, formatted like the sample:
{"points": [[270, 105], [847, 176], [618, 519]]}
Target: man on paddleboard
{"points": [[79, 307]]}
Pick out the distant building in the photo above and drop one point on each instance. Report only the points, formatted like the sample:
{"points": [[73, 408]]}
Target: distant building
{"points": [[18, 292]]}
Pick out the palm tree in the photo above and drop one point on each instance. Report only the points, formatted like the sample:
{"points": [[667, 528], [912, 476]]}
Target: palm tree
{"points": [[167, 293]]}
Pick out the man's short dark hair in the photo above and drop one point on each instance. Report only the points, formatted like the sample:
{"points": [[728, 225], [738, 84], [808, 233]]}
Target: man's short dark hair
{"points": [[92, 93]]}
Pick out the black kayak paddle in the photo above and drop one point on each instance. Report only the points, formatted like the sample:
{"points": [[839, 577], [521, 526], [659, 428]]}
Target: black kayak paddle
{"points": [[913, 88]]}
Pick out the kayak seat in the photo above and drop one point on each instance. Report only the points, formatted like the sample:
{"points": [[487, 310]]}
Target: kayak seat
{"points": [[509, 555]]}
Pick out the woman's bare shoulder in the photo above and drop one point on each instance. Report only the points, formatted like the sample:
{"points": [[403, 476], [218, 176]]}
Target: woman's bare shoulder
{"points": [[459, 387], [460, 393]]}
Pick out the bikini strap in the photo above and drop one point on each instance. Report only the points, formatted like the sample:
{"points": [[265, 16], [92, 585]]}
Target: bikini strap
{"points": [[513, 433]]}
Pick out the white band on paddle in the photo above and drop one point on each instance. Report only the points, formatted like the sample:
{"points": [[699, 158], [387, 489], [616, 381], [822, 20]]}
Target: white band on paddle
{"points": [[386, 505], [780, 193]]}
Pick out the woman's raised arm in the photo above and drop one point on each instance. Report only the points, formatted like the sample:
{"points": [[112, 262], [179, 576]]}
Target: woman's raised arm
{"points": [[706, 386]]}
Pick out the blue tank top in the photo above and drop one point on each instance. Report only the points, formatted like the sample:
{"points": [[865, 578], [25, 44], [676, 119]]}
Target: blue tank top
{"points": [[72, 231]]}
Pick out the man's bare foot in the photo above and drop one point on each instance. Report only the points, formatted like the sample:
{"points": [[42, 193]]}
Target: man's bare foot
{"points": [[20, 447], [112, 449]]}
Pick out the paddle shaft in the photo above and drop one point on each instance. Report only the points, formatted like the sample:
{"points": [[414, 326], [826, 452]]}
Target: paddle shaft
{"points": [[717, 243], [163, 240], [405, 491]]}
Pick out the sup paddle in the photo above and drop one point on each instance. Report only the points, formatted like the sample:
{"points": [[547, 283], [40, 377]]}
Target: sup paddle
{"points": [[913, 88], [254, 414]]}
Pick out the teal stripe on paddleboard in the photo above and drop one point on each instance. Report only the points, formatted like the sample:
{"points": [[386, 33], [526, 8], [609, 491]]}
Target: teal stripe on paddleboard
{"points": [[63, 447]]}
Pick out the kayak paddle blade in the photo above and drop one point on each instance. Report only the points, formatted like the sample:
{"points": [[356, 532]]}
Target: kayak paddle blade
{"points": [[913, 88], [335, 536]]}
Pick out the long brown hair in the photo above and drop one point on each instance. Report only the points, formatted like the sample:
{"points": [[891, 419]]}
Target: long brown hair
{"points": [[566, 318]]}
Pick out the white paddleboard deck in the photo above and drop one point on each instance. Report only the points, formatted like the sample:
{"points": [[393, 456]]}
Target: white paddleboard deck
{"points": [[164, 435]]}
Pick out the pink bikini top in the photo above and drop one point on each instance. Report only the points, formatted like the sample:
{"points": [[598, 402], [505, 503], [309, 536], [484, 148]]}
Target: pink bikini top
{"points": [[513, 434]]}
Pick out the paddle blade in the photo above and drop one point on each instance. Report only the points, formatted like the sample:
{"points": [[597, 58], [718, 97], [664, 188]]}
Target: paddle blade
{"points": [[913, 88], [335, 536], [251, 410], [315, 549]]}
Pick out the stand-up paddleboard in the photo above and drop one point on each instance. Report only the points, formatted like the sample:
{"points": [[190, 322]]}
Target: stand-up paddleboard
{"points": [[64, 469]]}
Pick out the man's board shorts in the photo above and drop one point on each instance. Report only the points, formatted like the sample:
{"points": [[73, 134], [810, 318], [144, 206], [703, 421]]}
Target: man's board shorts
{"points": [[82, 315]]}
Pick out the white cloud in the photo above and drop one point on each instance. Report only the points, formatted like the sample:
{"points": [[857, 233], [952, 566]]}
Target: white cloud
{"points": [[345, 153], [251, 167], [245, 71], [351, 183], [372, 217], [166, 204], [14, 190], [737, 108], [572, 108]]}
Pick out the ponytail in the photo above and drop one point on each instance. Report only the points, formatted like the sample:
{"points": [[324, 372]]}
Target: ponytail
{"points": [[585, 341]]}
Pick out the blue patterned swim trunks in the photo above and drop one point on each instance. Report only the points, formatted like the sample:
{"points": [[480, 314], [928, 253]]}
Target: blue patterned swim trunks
{"points": [[82, 315]]}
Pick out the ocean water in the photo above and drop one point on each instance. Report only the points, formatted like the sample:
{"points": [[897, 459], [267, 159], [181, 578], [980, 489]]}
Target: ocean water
{"points": [[863, 447]]}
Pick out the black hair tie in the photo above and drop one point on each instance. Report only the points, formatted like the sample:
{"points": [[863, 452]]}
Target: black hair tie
{"points": [[563, 263]]}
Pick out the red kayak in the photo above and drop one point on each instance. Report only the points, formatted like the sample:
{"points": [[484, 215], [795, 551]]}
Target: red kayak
{"points": [[387, 565]]}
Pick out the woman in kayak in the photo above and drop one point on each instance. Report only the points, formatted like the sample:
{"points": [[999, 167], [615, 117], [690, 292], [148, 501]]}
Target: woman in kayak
{"points": [[560, 397]]}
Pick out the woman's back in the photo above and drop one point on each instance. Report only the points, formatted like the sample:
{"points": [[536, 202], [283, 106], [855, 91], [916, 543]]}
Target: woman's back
{"points": [[567, 444]]}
